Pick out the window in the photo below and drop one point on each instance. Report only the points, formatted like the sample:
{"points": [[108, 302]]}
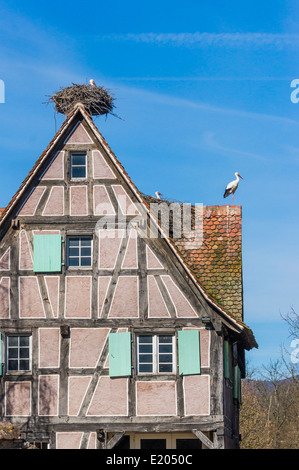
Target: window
{"points": [[155, 354], [78, 165], [18, 353], [152, 443], [39, 444], [79, 251]]}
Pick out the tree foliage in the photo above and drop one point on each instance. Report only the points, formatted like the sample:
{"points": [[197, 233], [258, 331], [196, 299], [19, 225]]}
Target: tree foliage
{"points": [[269, 415]]}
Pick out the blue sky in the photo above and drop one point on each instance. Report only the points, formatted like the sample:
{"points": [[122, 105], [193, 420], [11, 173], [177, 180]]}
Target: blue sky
{"points": [[203, 90]]}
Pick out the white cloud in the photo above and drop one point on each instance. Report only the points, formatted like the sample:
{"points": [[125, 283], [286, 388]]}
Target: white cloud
{"points": [[197, 39], [212, 144]]}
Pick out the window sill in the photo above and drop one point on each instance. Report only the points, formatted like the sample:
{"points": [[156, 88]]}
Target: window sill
{"points": [[17, 373], [156, 375], [75, 268]]}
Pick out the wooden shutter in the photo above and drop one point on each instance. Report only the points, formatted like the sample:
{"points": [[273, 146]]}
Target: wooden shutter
{"points": [[227, 359], [1, 358], [47, 253], [189, 352], [237, 384], [120, 364]]}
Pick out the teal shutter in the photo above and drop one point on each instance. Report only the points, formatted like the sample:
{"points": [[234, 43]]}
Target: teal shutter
{"points": [[189, 352], [237, 384], [120, 354], [47, 253], [227, 360], [1, 359]]}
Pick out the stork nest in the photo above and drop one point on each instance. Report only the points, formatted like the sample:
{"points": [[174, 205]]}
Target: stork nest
{"points": [[95, 99]]}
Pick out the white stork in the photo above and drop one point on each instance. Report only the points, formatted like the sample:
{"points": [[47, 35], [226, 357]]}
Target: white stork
{"points": [[158, 195], [92, 82], [232, 186]]}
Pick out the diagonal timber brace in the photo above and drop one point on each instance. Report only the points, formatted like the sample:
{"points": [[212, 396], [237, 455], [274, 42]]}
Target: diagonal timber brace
{"points": [[203, 438], [114, 440]]}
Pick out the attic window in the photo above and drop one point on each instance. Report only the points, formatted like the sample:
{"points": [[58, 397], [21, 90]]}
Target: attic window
{"points": [[78, 165]]}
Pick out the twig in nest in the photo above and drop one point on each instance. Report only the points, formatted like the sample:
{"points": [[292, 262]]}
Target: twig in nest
{"points": [[96, 100]]}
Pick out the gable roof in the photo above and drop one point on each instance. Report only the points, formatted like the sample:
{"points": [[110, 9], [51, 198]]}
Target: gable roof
{"points": [[234, 323]]}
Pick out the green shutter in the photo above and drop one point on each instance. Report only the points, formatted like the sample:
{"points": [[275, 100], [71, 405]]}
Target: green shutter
{"points": [[120, 354], [237, 384], [1, 354], [227, 360], [47, 253], [189, 352]]}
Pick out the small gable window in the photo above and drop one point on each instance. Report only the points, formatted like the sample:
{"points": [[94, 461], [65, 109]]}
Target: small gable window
{"points": [[78, 165]]}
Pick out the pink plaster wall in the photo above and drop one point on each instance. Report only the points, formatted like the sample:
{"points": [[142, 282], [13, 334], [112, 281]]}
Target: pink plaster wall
{"points": [[78, 200], [87, 345], [101, 201], [109, 245], [152, 260], [117, 404], [48, 395], [182, 306], [92, 441], [77, 390], [125, 302], [101, 169], [125, 202], [4, 297], [32, 202], [79, 136], [49, 347], [196, 394], [205, 347], [55, 202], [18, 398], [130, 260], [78, 297], [56, 169], [31, 304], [68, 440], [25, 255], [156, 304], [5, 261], [156, 398]]}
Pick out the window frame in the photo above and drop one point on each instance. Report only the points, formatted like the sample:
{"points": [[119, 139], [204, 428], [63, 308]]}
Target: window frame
{"points": [[8, 358], [72, 153], [79, 266], [41, 444], [155, 354]]}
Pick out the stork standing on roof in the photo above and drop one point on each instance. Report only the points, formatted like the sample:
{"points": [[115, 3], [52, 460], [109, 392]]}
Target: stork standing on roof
{"points": [[92, 82], [158, 195], [232, 187]]}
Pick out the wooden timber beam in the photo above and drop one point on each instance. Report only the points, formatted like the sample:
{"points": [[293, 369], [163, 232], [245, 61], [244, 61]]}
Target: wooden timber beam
{"points": [[203, 438], [115, 440]]}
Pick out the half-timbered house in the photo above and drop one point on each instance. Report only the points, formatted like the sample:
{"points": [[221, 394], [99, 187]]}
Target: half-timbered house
{"points": [[116, 333]]}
